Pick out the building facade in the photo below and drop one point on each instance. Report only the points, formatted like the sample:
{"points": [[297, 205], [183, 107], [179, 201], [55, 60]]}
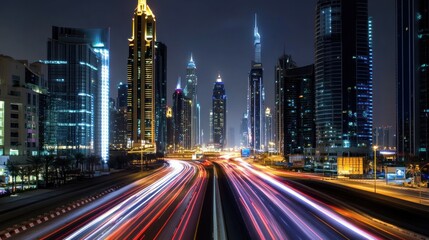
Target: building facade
{"points": [[412, 79], [141, 77], [78, 69], [23, 90], [219, 113], [343, 72], [160, 97], [299, 110], [268, 138], [283, 63], [170, 130], [255, 96], [121, 100]]}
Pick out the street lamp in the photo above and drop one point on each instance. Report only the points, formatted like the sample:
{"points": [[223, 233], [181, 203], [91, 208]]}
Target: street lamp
{"points": [[375, 167], [141, 154]]}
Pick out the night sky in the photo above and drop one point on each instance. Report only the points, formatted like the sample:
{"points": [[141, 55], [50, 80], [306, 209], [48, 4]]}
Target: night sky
{"points": [[218, 33]]}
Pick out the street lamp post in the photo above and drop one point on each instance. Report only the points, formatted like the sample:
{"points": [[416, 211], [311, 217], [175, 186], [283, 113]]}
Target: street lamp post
{"points": [[141, 155], [375, 168]]}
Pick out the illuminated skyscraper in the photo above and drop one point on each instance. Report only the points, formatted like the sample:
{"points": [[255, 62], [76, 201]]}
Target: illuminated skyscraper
{"points": [[219, 113], [182, 106], [170, 130], [78, 68], [343, 72], [244, 136], [141, 79], [255, 96], [284, 62], [191, 92], [160, 96], [268, 138], [121, 100], [413, 79]]}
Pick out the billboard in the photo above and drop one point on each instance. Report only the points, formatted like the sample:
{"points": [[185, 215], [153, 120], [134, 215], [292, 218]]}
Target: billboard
{"points": [[349, 165], [245, 152]]}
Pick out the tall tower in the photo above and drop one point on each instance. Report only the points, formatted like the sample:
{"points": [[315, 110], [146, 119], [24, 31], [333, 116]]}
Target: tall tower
{"points": [[141, 79], [181, 119], [219, 113], [413, 79], [284, 63], [343, 77], [268, 128], [160, 96], [255, 96], [191, 92]]}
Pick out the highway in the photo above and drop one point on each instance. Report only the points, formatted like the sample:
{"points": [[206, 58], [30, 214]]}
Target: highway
{"points": [[274, 210], [164, 205]]}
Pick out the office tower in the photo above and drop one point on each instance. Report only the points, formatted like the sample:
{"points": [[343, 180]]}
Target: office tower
{"points": [[78, 115], [413, 79], [170, 130], [182, 108], [191, 93], [160, 96], [141, 79], [283, 63], [255, 96], [343, 72], [299, 110], [244, 139], [219, 113], [382, 137], [121, 100], [21, 107], [268, 138]]}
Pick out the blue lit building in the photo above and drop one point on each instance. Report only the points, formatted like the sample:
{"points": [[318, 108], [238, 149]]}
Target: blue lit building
{"points": [[255, 97], [191, 92], [219, 113], [343, 77], [78, 70], [182, 108], [160, 97]]}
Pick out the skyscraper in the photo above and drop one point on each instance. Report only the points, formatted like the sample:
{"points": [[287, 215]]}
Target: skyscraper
{"points": [[78, 69], [160, 96], [268, 138], [255, 96], [219, 113], [284, 62], [181, 119], [141, 79], [413, 79], [121, 100], [191, 92], [118, 119], [170, 130], [343, 72], [244, 136], [298, 110]]}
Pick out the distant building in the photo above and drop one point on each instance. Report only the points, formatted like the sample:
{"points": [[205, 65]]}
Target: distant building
{"points": [[191, 92], [256, 96], [231, 137], [244, 138], [78, 115], [23, 90], [343, 73], [170, 130], [121, 100], [382, 137], [412, 79], [268, 129], [284, 63], [160, 97], [211, 126], [219, 113], [141, 78], [182, 107]]}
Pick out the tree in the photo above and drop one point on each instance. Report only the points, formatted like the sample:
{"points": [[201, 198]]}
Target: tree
{"points": [[79, 160], [36, 163], [62, 166], [47, 162]]}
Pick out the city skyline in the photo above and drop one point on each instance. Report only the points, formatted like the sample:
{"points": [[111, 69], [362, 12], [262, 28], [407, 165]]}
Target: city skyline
{"points": [[226, 49]]}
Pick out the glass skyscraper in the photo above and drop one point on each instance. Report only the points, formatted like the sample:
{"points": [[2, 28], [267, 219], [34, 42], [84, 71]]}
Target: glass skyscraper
{"points": [[343, 71], [78, 69], [219, 113], [182, 106], [160, 97], [413, 79], [255, 96]]}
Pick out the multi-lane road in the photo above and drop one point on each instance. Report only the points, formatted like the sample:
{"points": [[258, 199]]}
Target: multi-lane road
{"points": [[225, 198]]}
